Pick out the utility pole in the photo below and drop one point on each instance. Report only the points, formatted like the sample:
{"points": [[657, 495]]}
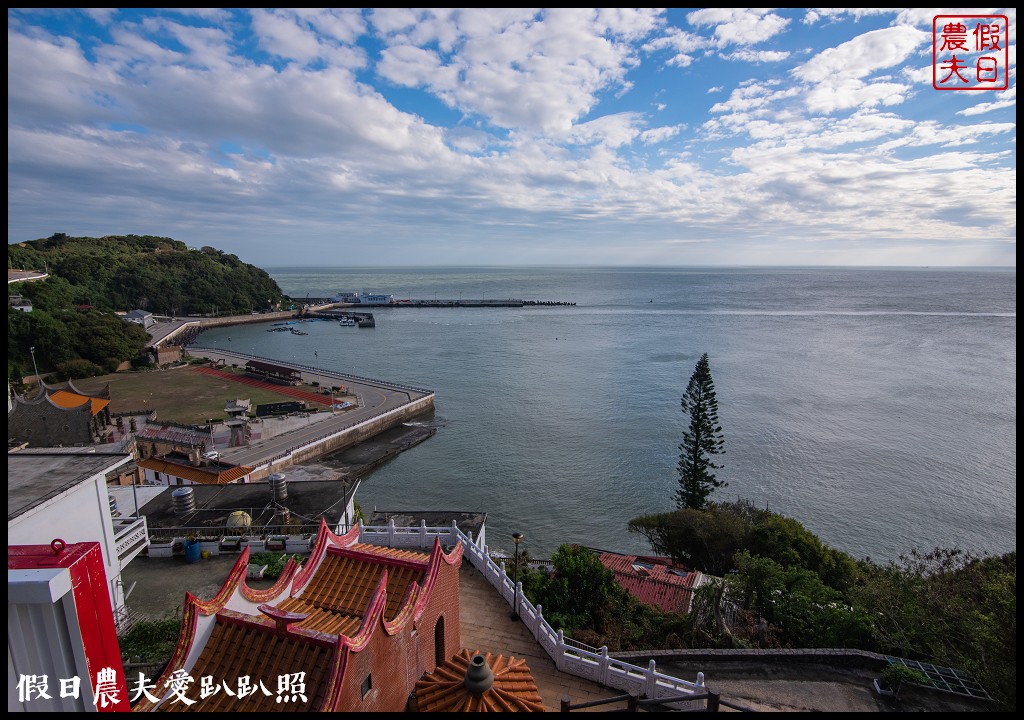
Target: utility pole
{"points": [[32, 351]]}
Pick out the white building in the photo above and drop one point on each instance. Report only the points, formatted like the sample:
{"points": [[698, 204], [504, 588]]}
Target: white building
{"points": [[61, 493], [140, 317], [165, 471]]}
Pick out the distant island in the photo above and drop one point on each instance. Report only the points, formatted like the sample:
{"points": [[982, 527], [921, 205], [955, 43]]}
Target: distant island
{"points": [[72, 323]]}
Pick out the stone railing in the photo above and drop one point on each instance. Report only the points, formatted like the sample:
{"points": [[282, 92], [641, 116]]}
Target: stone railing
{"points": [[569, 656]]}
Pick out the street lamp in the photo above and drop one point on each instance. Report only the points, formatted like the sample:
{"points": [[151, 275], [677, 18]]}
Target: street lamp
{"points": [[517, 537], [32, 350], [344, 499]]}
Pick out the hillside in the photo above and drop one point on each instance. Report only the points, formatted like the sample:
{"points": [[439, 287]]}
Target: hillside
{"points": [[90, 278], [161, 275]]}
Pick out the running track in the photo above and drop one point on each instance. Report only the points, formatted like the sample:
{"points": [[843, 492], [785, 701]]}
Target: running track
{"points": [[282, 389]]}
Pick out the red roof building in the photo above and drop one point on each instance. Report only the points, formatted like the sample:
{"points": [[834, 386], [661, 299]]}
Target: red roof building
{"points": [[654, 580], [357, 626]]}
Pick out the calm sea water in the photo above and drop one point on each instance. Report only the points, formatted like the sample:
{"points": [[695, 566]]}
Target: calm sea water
{"points": [[876, 406]]}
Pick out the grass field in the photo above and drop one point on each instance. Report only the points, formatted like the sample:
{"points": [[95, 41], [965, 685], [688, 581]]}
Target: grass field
{"points": [[180, 395]]}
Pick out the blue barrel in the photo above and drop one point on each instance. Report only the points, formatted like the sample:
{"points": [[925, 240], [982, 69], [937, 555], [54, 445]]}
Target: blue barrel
{"points": [[191, 551]]}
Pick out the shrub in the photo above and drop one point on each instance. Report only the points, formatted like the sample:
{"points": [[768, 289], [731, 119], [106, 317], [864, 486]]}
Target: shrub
{"points": [[896, 674], [150, 640], [75, 369]]}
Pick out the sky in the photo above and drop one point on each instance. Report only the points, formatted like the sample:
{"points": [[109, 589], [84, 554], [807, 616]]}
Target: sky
{"points": [[628, 137]]}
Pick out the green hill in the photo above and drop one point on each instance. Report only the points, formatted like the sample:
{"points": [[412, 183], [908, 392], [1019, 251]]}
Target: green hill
{"points": [[72, 315]]}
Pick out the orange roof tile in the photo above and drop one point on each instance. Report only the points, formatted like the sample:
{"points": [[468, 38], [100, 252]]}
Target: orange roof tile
{"points": [[198, 475], [242, 646], [68, 400], [347, 593], [339, 593], [513, 690]]}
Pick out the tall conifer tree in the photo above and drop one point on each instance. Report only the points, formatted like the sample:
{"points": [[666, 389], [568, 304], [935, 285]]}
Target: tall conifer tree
{"points": [[702, 440]]}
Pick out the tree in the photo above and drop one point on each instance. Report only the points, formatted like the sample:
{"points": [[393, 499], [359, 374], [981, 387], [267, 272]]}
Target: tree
{"points": [[704, 540], [702, 440]]}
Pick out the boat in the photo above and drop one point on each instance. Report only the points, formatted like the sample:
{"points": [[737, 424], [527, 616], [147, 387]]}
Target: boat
{"points": [[347, 321]]}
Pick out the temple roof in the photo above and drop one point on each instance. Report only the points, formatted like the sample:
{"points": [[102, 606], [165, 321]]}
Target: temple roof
{"points": [[68, 400], [338, 594], [240, 646], [310, 621], [513, 689]]}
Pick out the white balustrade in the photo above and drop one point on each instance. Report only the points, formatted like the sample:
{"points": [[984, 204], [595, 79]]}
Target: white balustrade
{"points": [[569, 656]]}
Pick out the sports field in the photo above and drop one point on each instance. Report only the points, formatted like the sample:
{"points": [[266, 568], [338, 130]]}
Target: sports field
{"points": [[186, 394]]}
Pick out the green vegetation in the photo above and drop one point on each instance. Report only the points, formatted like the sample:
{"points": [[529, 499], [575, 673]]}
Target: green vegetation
{"points": [[275, 563], [150, 641], [581, 597], [896, 674], [783, 587], [72, 316], [701, 440], [61, 335]]}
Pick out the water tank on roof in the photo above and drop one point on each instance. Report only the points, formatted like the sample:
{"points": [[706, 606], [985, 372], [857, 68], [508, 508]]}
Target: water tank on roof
{"points": [[279, 486], [282, 516], [183, 501], [239, 519]]}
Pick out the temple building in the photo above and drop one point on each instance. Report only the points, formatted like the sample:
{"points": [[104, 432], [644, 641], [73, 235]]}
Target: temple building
{"points": [[61, 414], [353, 630]]}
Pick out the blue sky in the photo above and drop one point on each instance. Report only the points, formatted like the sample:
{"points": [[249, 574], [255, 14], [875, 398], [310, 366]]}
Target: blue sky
{"points": [[510, 136]]}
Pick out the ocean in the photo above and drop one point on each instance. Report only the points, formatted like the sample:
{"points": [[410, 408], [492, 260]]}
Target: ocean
{"points": [[875, 406]]}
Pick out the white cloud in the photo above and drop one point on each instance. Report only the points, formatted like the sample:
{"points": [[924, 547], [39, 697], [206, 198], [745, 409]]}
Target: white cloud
{"points": [[934, 133], [1005, 99], [837, 74], [610, 130], [756, 56], [739, 26], [169, 127], [660, 134], [306, 35], [863, 55], [845, 93], [103, 16], [684, 46], [534, 71]]}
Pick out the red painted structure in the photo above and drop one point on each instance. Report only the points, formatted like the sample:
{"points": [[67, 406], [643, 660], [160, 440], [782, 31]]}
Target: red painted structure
{"points": [[84, 563]]}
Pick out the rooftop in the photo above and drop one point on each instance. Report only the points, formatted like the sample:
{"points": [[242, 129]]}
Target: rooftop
{"points": [[37, 475], [67, 399], [211, 474], [653, 580], [308, 502]]}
